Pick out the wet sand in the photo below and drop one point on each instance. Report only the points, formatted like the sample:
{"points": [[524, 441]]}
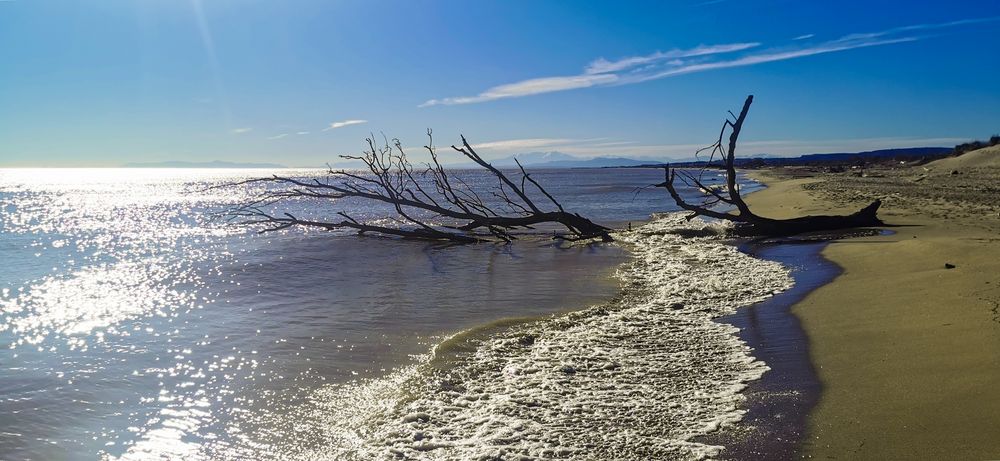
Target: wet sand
{"points": [[907, 350], [778, 403]]}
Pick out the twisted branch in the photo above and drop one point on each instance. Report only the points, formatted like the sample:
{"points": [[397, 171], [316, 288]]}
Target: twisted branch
{"points": [[748, 223], [421, 200]]}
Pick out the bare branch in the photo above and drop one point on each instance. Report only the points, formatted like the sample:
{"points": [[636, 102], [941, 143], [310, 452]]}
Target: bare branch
{"points": [[525, 175], [459, 212], [747, 223]]}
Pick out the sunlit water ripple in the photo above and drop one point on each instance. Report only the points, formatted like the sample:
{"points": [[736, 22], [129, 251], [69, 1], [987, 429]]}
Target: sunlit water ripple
{"points": [[134, 325]]}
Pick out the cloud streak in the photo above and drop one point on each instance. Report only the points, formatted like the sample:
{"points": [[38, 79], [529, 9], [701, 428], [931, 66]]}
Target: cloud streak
{"points": [[828, 47], [603, 147], [662, 64], [514, 145], [341, 124], [602, 66], [529, 87], [331, 126], [585, 147]]}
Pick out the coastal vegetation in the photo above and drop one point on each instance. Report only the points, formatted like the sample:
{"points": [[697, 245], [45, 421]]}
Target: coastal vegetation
{"points": [[975, 145]]}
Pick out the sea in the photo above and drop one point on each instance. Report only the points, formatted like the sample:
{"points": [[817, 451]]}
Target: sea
{"points": [[138, 321]]}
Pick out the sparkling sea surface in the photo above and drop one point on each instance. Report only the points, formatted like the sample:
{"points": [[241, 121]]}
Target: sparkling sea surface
{"points": [[134, 323]]}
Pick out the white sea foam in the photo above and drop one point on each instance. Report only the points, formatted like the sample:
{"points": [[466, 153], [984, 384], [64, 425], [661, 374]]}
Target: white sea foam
{"points": [[638, 378]]}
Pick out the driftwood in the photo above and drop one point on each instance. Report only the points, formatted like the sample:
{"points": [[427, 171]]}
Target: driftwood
{"points": [[745, 221], [430, 203]]}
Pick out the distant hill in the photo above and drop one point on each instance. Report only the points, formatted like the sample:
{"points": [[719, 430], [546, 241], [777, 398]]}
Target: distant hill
{"points": [[882, 154], [907, 154], [986, 157], [212, 164]]}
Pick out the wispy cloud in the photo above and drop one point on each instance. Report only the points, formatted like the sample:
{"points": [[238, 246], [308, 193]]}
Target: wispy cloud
{"points": [[828, 47], [515, 145], [662, 64], [600, 72], [596, 147], [332, 126], [341, 124], [615, 143], [586, 147], [529, 87], [653, 151], [242, 130], [932, 26], [603, 66]]}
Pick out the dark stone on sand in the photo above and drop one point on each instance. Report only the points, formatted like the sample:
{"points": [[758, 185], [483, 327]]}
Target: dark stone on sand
{"points": [[949, 266]]}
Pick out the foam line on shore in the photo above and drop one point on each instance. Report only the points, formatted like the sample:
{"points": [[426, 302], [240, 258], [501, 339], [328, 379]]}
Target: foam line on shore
{"points": [[639, 377]]}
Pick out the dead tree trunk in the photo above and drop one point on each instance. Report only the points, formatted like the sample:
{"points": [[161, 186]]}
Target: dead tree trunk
{"points": [[745, 221], [430, 204]]}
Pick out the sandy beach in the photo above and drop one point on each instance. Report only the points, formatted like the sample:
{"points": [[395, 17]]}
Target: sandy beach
{"points": [[907, 349]]}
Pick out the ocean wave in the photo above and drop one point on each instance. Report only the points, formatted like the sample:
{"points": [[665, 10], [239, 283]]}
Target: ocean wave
{"points": [[638, 377]]}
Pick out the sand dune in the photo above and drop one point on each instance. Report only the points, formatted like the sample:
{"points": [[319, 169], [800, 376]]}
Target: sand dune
{"points": [[987, 157]]}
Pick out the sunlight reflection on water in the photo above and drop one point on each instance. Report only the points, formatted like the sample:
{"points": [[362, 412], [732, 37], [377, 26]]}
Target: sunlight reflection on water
{"points": [[118, 244], [134, 325]]}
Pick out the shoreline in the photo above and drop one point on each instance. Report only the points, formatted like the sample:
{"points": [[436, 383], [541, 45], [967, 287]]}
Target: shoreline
{"points": [[571, 371], [779, 402], [907, 350]]}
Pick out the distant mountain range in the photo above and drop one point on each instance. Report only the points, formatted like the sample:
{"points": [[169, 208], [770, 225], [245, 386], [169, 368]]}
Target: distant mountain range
{"points": [[596, 162], [212, 164], [542, 160], [535, 158]]}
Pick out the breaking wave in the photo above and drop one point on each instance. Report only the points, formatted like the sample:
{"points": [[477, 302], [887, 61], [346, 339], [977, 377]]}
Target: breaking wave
{"points": [[638, 377]]}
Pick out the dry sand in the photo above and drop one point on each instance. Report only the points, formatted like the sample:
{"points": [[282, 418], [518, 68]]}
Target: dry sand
{"points": [[908, 351]]}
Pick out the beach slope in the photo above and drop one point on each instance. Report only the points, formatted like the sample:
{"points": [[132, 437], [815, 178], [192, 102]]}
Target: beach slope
{"points": [[907, 347]]}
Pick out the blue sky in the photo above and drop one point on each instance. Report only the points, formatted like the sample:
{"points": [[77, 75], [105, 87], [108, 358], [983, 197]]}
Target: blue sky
{"points": [[102, 83]]}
